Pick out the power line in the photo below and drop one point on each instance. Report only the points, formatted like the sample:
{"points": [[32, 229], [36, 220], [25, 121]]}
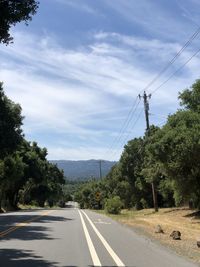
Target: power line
{"points": [[132, 127], [130, 115], [195, 34], [114, 153], [182, 66], [125, 124]]}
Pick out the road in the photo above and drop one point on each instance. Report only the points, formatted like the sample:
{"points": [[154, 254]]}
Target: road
{"points": [[71, 237]]}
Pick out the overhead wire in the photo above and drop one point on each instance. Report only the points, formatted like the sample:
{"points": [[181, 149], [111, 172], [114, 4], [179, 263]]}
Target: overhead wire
{"points": [[161, 124], [125, 124], [195, 34], [174, 73], [127, 137], [134, 106]]}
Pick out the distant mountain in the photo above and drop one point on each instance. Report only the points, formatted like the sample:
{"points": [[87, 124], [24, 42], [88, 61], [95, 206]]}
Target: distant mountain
{"points": [[84, 169]]}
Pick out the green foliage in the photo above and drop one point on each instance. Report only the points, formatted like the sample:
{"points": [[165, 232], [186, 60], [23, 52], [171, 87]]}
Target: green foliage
{"points": [[12, 177], [13, 12], [70, 188], [113, 205], [131, 162], [25, 173], [10, 125], [179, 151], [168, 157], [190, 98], [166, 190], [91, 194]]}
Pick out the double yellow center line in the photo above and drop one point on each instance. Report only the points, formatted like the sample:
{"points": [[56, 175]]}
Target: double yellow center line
{"points": [[23, 224]]}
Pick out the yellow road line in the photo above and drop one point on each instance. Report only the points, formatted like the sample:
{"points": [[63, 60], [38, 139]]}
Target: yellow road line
{"points": [[23, 224]]}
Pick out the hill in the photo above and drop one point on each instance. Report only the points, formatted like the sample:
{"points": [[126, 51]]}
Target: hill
{"points": [[83, 169]]}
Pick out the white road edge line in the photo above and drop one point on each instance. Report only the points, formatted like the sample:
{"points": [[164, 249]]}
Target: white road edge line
{"points": [[93, 253], [105, 243]]}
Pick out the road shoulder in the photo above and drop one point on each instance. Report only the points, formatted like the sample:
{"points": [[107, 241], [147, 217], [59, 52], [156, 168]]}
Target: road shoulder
{"points": [[145, 227]]}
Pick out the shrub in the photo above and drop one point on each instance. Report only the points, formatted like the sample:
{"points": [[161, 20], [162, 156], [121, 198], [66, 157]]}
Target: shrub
{"points": [[113, 205], [144, 203], [50, 203], [138, 206]]}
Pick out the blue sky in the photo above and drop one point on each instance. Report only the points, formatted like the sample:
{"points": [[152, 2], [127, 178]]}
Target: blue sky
{"points": [[78, 67]]}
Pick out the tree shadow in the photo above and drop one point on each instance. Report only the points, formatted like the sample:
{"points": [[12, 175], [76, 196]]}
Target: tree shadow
{"points": [[193, 215], [11, 226], [24, 258], [14, 258], [110, 266], [28, 233], [175, 209]]}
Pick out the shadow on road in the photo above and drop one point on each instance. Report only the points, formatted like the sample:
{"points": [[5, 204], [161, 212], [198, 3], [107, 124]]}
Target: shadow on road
{"points": [[24, 258], [20, 258], [31, 231]]}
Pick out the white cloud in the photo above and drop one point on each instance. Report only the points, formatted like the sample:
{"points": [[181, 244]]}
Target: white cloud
{"points": [[85, 92], [80, 153]]}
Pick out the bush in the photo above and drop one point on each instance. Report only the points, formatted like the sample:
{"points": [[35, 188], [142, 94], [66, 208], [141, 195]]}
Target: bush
{"points": [[50, 203], [113, 205], [144, 203], [138, 206]]}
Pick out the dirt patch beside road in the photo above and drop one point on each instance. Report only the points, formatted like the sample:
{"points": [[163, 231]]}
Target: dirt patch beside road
{"points": [[182, 219]]}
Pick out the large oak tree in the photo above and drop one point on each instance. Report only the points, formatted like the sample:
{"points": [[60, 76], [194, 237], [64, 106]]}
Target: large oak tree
{"points": [[13, 12]]}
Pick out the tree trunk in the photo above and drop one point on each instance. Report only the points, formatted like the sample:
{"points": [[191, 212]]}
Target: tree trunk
{"points": [[155, 198]]}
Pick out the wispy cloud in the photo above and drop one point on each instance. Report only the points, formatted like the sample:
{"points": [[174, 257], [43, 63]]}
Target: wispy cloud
{"points": [[83, 94], [80, 5], [154, 18], [190, 11]]}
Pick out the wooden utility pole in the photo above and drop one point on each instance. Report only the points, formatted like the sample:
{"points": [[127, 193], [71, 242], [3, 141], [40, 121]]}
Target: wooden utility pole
{"points": [[146, 111], [100, 170]]}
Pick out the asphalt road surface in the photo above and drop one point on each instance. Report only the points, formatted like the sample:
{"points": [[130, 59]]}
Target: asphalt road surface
{"points": [[71, 237]]}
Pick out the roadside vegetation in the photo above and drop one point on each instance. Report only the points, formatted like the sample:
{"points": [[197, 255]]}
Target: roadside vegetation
{"points": [[26, 176], [167, 156]]}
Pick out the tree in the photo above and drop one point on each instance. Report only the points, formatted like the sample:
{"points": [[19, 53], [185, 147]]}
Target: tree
{"points": [[43, 180], [151, 168], [10, 125], [190, 98], [25, 173], [54, 182], [132, 160], [13, 173], [13, 12], [177, 149]]}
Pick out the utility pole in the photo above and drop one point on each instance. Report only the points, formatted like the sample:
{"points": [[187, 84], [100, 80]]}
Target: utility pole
{"points": [[100, 170], [146, 111]]}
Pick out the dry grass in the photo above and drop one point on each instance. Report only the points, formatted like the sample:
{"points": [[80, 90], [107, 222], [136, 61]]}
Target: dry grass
{"points": [[182, 219]]}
